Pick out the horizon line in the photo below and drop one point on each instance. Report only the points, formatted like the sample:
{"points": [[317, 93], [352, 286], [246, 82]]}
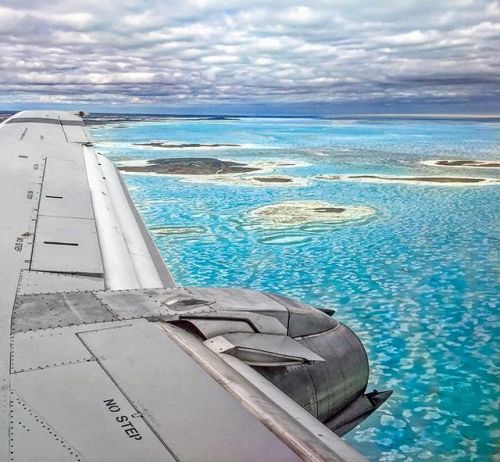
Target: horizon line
{"points": [[341, 115]]}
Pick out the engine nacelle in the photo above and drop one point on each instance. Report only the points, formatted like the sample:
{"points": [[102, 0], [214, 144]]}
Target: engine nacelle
{"points": [[311, 357], [325, 388]]}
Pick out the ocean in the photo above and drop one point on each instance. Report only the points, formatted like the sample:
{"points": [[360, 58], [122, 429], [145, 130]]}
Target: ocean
{"points": [[417, 280]]}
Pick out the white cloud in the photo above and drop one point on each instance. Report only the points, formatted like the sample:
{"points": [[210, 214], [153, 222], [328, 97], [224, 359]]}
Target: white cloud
{"points": [[207, 51], [302, 15], [220, 59]]}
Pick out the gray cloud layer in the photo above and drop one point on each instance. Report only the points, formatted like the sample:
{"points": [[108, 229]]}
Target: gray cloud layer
{"points": [[203, 52]]}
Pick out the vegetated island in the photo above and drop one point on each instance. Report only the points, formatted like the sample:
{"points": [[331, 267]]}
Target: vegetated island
{"points": [[216, 171], [293, 213], [442, 180], [189, 166], [161, 144], [462, 163]]}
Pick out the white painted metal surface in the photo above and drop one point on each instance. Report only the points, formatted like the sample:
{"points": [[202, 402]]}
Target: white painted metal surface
{"points": [[177, 385], [19, 184], [119, 272], [66, 245], [35, 282], [35, 433], [141, 258], [65, 191], [83, 421], [75, 134], [47, 348]]}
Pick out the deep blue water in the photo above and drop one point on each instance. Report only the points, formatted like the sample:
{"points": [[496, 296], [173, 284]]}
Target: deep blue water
{"points": [[418, 282]]}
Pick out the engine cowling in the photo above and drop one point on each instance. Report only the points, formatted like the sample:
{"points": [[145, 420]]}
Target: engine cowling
{"points": [[311, 357]]}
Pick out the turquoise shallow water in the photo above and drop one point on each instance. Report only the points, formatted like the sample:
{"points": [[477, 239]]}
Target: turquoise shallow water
{"points": [[418, 282]]}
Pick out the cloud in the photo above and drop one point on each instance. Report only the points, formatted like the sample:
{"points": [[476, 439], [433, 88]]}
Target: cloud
{"points": [[207, 52]]}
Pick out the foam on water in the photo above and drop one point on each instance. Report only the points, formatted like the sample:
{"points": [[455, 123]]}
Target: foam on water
{"points": [[417, 283]]}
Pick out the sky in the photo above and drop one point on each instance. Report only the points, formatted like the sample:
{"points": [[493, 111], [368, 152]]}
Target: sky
{"points": [[251, 56]]}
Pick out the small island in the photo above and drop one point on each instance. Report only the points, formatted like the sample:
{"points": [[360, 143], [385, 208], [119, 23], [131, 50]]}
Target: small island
{"points": [[462, 163], [296, 213], [189, 166], [436, 180], [425, 179]]}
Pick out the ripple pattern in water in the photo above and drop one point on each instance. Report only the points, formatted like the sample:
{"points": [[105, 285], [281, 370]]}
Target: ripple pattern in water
{"points": [[418, 282]]}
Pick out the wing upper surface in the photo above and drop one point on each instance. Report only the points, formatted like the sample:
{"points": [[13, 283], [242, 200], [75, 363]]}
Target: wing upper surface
{"points": [[89, 373]]}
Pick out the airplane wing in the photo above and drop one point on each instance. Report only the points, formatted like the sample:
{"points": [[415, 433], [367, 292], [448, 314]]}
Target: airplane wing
{"points": [[103, 357]]}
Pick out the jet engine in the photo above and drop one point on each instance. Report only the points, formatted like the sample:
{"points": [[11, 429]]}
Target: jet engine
{"points": [[311, 357]]}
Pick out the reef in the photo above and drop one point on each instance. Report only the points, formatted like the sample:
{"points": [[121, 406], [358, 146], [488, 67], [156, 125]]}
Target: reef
{"points": [[189, 166], [428, 179], [441, 180], [158, 144], [295, 213], [463, 163]]}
